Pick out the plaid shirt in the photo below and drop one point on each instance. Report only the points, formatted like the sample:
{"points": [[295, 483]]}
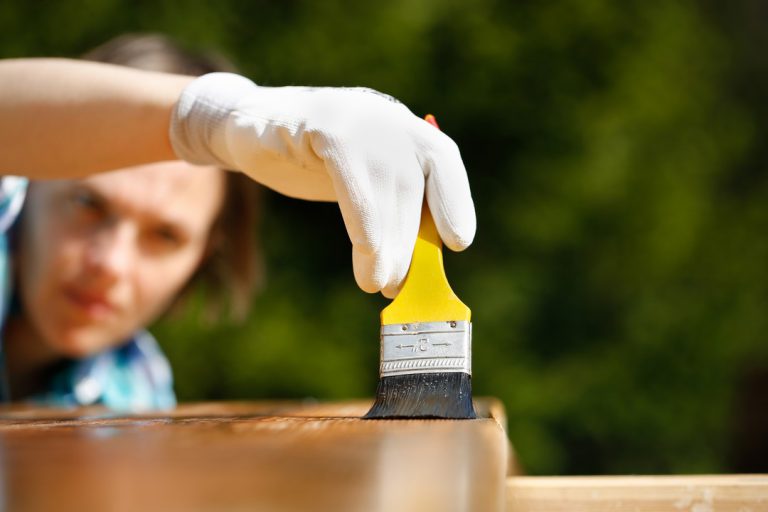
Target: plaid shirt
{"points": [[134, 376]]}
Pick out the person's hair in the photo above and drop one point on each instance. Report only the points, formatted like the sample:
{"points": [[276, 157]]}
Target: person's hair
{"points": [[232, 269]]}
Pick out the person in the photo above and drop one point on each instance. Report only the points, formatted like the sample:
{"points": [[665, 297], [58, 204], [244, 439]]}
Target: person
{"points": [[97, 259], [99, 256]]}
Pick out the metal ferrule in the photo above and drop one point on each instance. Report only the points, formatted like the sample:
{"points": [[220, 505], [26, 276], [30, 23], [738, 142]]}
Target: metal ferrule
{"points": [[426, 347]]}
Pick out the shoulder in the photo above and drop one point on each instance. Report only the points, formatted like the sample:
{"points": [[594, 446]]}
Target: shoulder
{"points": [[150, 355], [143, 359], [133, 377]]}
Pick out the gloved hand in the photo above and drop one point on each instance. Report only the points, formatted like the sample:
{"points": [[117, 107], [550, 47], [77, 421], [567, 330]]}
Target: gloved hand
{"points": [[352, 145]]}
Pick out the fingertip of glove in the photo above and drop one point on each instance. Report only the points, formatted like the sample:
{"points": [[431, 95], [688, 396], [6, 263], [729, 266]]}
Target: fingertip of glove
{"points": [[396, 281], [459, 242], [366, 280], [369, 275], [390, 292], [368, 287], [457, 236]]}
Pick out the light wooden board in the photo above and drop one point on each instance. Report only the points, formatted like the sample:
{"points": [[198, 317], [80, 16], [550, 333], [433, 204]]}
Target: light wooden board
{"points": [[699, 493], [250, 456]]}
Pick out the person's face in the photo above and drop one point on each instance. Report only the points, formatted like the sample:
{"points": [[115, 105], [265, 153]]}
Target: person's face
{"points": [[103, 256]]}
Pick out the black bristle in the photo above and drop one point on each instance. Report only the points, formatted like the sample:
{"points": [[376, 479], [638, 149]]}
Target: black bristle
{"points": [[445, 395]]}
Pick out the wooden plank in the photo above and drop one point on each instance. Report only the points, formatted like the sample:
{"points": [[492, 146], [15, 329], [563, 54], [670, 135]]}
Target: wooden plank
{"points": [[700, 493], [250, 456]]}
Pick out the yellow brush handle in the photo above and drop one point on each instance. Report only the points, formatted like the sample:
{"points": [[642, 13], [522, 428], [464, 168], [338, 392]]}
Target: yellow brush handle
{"points": [[426, 295]]}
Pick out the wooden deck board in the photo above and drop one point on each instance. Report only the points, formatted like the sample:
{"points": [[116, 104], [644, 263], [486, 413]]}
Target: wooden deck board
{"points": [[685, 493]]}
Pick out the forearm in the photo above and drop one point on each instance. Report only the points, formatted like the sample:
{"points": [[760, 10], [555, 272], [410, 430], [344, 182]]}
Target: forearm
{"points": [[64, 118]]}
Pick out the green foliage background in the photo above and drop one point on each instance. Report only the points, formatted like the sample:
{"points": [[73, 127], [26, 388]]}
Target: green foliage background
{"points": [[619, 279]]}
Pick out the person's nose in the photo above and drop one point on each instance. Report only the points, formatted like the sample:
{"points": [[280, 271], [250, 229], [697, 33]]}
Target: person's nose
{"points": [[111, 254]]}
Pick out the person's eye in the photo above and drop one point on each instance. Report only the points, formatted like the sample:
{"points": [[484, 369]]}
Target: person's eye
{"points": [[87, 203], [166, 237]]}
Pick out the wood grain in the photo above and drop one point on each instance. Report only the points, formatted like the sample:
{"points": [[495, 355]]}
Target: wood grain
{"points": [[250, 456], [697, 493]]}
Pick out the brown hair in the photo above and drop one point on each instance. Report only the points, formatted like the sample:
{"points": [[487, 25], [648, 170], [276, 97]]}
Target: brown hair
{"points": [[232, 269]]}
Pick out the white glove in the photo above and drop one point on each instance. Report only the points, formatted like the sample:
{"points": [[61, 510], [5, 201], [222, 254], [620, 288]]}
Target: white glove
{"points": [[352, 145]]}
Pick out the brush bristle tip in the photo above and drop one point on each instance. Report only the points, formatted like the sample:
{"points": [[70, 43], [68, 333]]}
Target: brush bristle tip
{"points": [[445, 395]]}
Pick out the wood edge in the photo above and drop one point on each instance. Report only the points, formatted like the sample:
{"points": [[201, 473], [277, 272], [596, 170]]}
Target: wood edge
{"points": [[493, 408]]}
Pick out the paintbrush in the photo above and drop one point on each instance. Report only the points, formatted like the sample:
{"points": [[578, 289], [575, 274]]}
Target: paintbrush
{"points": [[426, 340]]}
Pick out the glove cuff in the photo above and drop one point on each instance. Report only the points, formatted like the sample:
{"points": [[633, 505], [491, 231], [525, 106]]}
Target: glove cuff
{"points": [[199, 118]]}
